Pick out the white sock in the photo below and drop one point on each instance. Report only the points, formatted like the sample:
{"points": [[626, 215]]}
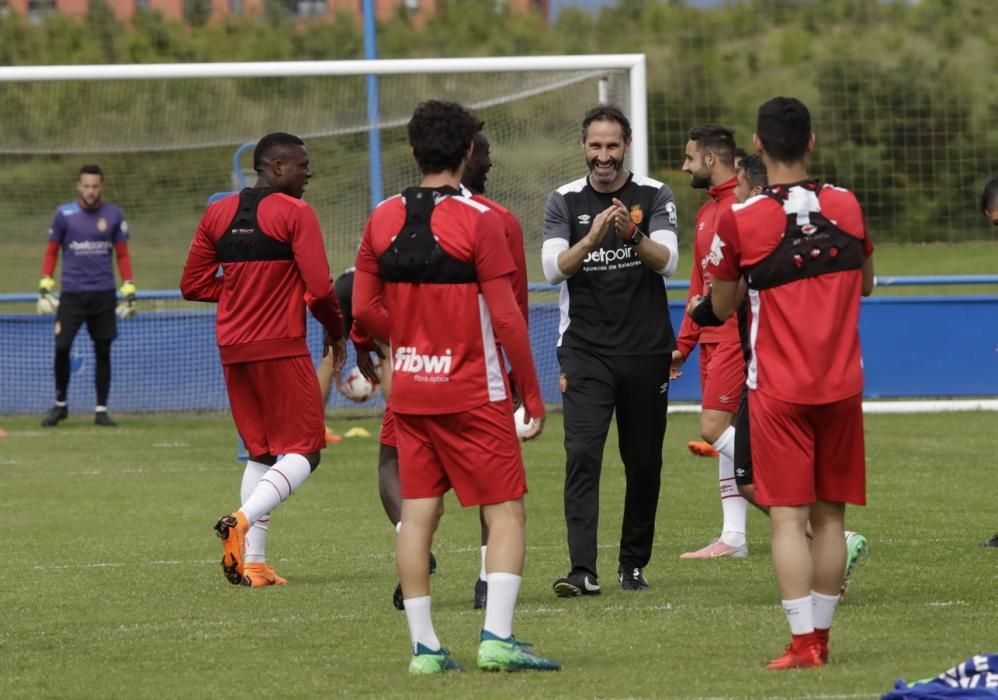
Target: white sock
{"points": [[799, 615], [417, 613], [61, 404], [823, 608], [276, 486], [847, 533], [503, 590], [482, 574], [256, 538], [398, 527], [100, 409], [733, 507]]}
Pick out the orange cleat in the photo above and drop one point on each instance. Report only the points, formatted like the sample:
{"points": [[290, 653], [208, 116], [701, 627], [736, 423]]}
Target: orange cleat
{"points": [[702, 449], [260, 574], [232, 529], [332, 437], [803, 652]]}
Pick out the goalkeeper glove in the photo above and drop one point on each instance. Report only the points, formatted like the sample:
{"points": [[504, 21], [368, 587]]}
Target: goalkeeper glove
{"points": [[47, 303], [127, 307]]}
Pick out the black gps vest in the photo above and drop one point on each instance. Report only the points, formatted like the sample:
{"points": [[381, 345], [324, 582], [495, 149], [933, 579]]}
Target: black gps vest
{"points": [[415, 255], [817, 247], [243, 240]]}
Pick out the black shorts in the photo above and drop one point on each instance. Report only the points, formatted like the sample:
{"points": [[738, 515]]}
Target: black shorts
{"points": [[743, 446], [94, 308]]}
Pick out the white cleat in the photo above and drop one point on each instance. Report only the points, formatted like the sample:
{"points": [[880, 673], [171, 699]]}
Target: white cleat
{"points": [[717, 549]]}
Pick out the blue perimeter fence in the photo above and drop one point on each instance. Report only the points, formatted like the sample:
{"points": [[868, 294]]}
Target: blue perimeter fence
{"points": [[166, 360]]}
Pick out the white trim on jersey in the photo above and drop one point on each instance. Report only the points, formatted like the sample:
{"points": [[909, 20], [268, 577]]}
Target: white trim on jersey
{"points": [[493, 367], [801, 201], [470, 202], [752, 370], [550, 250], [393, 197], [563, 318], [748, 202], [671, 241], [645, 181], [573, 186]]}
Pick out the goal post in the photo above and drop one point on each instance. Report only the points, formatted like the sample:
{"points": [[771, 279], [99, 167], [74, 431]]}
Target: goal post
{"points": [[165, 135]]}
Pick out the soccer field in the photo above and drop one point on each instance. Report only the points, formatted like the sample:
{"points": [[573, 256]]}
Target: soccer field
{"points": [[111, 585]]}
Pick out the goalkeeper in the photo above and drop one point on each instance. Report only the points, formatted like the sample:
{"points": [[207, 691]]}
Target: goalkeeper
{"points": [[86, 230]]}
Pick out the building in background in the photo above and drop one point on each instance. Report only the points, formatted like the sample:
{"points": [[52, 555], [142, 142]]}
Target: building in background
{"points": [[36, 10]]}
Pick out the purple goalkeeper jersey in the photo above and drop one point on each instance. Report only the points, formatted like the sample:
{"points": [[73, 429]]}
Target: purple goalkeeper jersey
{"points": [[88, 237]]}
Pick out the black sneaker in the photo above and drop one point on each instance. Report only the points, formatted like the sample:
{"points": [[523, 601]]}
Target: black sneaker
{"points": [[631, 578], [481, 593], [575, 584], [993, 542], [102, 418], [56, 414]]}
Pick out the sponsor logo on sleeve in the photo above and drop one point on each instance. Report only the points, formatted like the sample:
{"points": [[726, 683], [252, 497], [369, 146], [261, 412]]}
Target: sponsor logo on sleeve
{"points": [[670, 209], [716, 254]]}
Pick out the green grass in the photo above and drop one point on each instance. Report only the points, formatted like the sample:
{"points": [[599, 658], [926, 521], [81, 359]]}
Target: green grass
{"points": [[111, 585]]}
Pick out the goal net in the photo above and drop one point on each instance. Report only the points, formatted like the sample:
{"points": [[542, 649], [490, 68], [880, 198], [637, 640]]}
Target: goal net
{"points": [[165, 137]]}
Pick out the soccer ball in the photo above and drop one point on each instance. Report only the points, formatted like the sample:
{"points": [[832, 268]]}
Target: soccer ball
{"points": [[521, 429], [357, 387]]}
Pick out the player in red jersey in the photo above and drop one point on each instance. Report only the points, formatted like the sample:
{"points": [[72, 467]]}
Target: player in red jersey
{"points": [[807, 258], [709, 159], [269, 245], [433, 279]]}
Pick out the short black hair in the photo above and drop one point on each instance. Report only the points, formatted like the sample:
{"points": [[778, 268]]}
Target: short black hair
{"points": [[90, 169], [270, 143], [784, 128], [440, 134], [606, 113], [755, 170], [989, 199], [740, 153], [716, 138]]}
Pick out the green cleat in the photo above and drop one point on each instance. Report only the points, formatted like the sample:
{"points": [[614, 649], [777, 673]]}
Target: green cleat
{"points": [[425, 661], [495, 654], [856, 548]]}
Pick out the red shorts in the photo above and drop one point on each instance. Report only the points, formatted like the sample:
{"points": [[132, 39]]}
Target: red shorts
{"points": [[475, 452], [805, 453], [388, 436], [722, 375], [277, 406]]}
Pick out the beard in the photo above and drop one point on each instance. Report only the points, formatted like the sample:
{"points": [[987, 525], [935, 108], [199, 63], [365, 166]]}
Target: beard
{"points": [[699, 182], [605, 179]]}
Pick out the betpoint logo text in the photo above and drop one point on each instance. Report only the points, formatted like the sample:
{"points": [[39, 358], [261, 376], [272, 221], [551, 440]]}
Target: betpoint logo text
{"points": [[408, 359], [604, 255]]}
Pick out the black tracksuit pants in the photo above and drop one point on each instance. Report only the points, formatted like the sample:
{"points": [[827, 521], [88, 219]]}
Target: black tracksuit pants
{"points": [[594, 386]]}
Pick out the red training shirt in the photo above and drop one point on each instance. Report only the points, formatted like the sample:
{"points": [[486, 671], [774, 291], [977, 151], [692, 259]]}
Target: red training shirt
{"points": [[804, 334], [261, 303]]}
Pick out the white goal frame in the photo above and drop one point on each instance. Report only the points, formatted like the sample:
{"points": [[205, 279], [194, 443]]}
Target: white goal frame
{"points": [[633, 64]]}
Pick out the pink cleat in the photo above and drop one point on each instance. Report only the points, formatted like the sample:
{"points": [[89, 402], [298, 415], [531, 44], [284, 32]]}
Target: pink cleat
{"points": [[715, 549]]}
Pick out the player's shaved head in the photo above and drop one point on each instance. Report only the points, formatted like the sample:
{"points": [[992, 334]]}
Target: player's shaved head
{"points": [[270, 147], [783, 127], [716, 139], [440, 134], [754, 169]]}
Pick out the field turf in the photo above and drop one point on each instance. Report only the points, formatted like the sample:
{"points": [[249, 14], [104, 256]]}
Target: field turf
{"points": [[111, 587]]}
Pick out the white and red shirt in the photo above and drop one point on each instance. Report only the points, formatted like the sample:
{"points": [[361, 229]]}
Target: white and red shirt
{"points": [[445, 357], [722, 196], [804, 334]]}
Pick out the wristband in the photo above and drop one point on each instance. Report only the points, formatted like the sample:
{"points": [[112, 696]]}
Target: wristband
{"points": [[704, 315], [634, 236]]}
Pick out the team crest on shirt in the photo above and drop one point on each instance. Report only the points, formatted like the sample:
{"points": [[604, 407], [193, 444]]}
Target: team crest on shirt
{"points": [[102, 224], [716, 254], [637, 216]]}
